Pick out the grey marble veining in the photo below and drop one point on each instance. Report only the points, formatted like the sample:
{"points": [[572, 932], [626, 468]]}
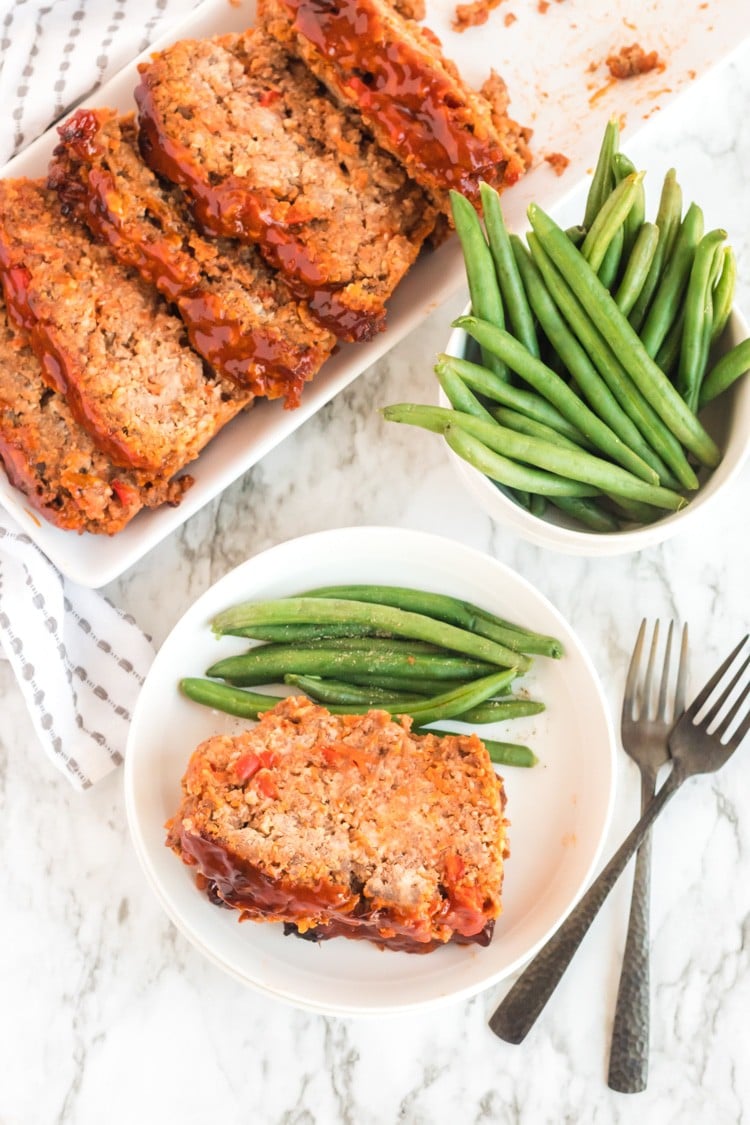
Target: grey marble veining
{"points": [[108, 1014]]}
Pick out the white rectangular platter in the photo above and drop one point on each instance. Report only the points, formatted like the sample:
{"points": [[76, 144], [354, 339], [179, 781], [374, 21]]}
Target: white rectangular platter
{"points": [[553, 61]]}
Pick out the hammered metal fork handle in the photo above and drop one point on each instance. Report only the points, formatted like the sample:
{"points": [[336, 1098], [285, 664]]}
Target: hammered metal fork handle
{"points": [[628, 1060], [518, 1012]]}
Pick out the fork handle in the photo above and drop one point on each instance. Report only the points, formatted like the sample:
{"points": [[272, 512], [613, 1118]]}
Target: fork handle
{"points": [[628, 1059], [519, 1010]]}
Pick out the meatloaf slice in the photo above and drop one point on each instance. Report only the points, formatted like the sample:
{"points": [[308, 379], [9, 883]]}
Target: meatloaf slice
{"points": [[106, 339], [240, 315], [267, 156], [347, 826], [53, 461], [393, 72]]}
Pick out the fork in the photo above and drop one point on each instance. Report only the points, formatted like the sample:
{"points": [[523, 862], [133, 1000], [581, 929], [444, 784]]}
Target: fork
{"points": [[696, 747], [644, 733]]}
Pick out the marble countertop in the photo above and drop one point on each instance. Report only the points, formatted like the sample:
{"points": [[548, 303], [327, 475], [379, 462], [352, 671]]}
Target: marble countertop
{"points": [[108, 1014]]}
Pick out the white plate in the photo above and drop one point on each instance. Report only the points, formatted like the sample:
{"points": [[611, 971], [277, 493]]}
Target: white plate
{"points": [[559, 811], [545, 59]]}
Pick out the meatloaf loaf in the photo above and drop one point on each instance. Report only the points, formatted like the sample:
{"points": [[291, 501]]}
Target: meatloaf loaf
{"points": [[54, 462], [106, 339], [267, 156], [347, 826], [410, 96], [239, 314]]}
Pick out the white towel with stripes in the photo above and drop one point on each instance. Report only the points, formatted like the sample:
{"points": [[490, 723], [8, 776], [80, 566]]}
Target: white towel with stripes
{"points": [[79, 661]]}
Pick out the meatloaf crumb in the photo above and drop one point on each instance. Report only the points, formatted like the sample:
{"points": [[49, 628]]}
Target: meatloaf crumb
{"points": [[267, 156], [633, 60], [106, 339], [239, 314], [347, 826], [53, 461], [473, 14], [392, 71], [558, 162]]}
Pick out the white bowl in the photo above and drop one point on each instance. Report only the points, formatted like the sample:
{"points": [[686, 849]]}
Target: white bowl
{"points": [[727, 419]]}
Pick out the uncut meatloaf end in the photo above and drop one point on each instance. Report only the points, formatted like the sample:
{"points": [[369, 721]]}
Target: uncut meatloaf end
{"points": [[347, 826], [267, 156], [239, 314], [393, 72], [106, 339], [53, 461]]}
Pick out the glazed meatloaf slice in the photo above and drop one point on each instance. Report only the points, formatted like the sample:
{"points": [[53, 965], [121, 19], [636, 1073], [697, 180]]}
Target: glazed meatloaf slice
{"points": [[240, 315], [53, 461], [347, 826], [393, 72], [267, 156], [106, 339]]}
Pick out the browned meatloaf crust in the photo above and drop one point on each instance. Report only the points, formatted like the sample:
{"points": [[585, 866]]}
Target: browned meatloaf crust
{"points": [[347, 826], [412, 98], [268, 157], [106, 339], [239, 314], [54, 462]]}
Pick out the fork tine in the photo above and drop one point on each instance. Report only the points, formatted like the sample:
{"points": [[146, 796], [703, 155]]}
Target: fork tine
{"points": [[703, 695], [680, 695], [661, 707], [740, 733], [647, 689], [715, 710], [632, 677], [727, 722]]}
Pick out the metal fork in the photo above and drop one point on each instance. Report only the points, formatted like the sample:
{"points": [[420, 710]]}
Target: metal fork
{"points": [[644, 731], [695, 747]]}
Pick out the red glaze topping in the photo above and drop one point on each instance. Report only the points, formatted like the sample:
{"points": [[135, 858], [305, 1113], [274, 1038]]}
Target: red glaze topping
{"points": [[417, 106], [231, 209], [347, 913]]}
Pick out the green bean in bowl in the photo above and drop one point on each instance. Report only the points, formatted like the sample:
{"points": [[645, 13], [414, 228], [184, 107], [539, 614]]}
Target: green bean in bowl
{"points": [[593, 395], [355, 648]]}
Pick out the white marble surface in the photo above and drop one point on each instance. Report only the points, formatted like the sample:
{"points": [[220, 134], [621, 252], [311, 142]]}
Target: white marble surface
{"points": [[107, 1014]]}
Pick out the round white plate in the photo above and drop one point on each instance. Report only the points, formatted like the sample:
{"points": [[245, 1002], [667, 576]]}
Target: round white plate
{"points": [[559, 811]]}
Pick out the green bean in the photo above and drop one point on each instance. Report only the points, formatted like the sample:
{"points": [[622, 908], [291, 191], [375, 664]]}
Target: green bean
{"points": [[454, 611], [637, 267], [511, 288], [587, 512], [696, 335], [559, 393], [732, 365], [622, 167], [634, 511], [458, 394], [517, 398], [602, 180], [523, 425], [501, 753], [416, 685], [652, 382], [448, 705], [610, 267], [610, 219], [506, 471], [538, 505], [669, 352], [672, 286], [576, 234], [484, 290], [323, 690], [402, 623], [668, 219], [350, 695], [580, 466], [604, 381], [371, 643], [262, 666], [302, 633], [723, 296]]}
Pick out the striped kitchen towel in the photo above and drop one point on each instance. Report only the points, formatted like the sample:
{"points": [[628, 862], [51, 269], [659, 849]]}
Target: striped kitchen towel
{"points": [[54, 54], [79, 661]]}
